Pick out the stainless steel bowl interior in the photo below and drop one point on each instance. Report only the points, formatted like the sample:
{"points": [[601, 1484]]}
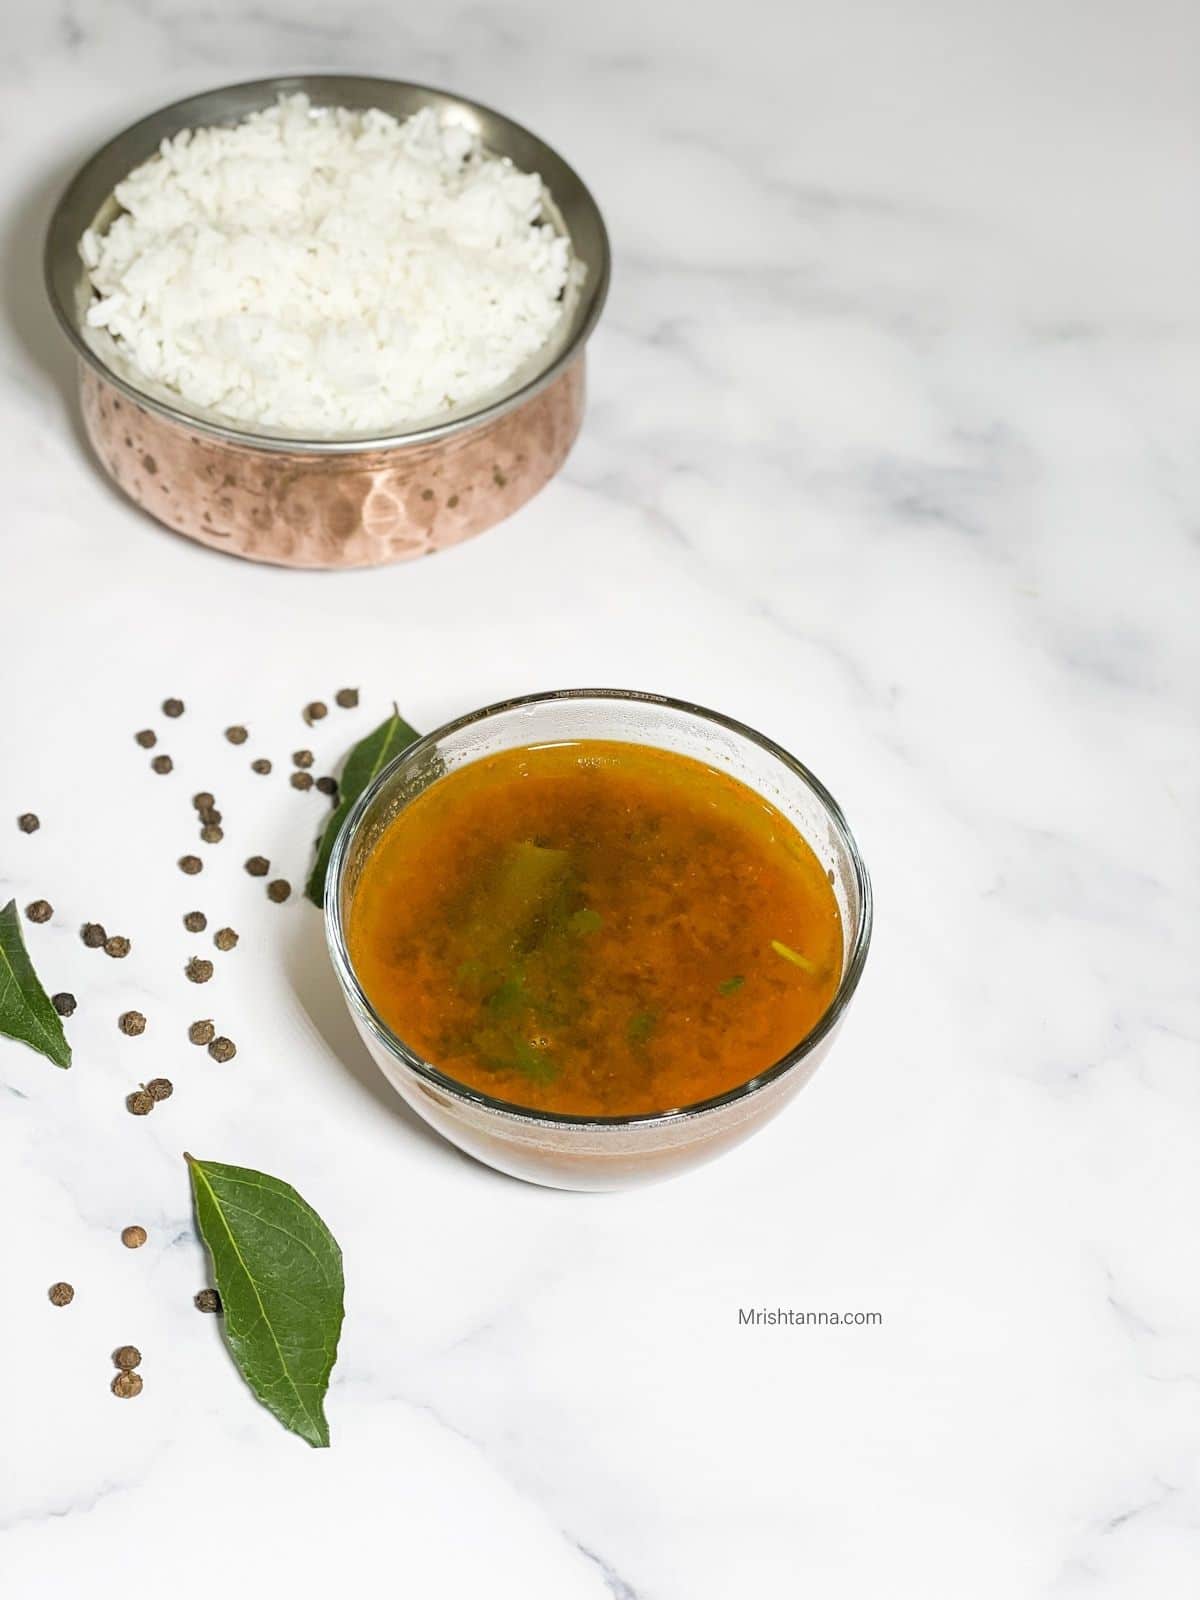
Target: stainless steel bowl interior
{"points": [[635, 717], [89, 202]]}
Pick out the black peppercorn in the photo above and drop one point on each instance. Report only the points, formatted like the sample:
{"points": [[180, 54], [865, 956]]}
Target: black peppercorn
{"points": [[347, 698], [314, 711], [301, 780], [118, 947], [140, 1103], [61, 1294], [278, 890], [63, 1003], [203, 800], [302, 758], [201, 1032], [134, 1236], [147, 738], [160, 1089], [199, 970], [327, 785], [39, 911], [207, 1300], [127, 1385], [127, 1357], [191, 865], [195, 921], [172, 708], [261, 764], [211, 834], [225, 938], [237, 734], [131, 1023], [222, 1049], [93, 935], [258, 866], [162, 764], [28, 822]]}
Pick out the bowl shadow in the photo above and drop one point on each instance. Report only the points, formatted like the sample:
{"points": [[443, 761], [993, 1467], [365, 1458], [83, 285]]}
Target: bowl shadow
{"points": [[25, 308], [23, 300], [314, 983]]}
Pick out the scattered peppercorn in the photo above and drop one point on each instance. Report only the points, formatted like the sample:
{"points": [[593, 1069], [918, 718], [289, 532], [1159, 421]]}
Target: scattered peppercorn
{"points": [[237, 734], [118, 947], [258, 866], [127, 1357], [302, 780], [327, 785], [162, 764], [133, 1237], [211, 834], [278, 890], [207, 1300], [93, 935], [195, 922], [140, 1103], [63, 1003], [199, 970], [314, 711], [191, 865], [302, 758], [160, 1089], [225, 938], [147, 738], [61, 1294], [28, 822], [127, 1385], [222, 1049], [203, 800], [209, 815], [172, 708], [131, 1023], [39, 911], [347, 698], [261, 764], [201, 1032]]}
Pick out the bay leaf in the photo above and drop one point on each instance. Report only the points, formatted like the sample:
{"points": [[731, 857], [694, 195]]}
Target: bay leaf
{"points": [[25, 1009], [367, 758], [278, 1271]]}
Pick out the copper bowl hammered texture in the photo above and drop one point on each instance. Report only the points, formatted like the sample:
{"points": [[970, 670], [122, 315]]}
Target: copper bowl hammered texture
{"points": [[298, 509], [350, 501]]}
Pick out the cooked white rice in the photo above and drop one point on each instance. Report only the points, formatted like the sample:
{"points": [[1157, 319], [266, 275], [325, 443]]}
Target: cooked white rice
{"points": [[328, 271]]}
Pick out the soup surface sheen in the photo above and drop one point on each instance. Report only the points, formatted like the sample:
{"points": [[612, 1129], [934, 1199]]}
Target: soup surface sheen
{"points": [[595, 928]]}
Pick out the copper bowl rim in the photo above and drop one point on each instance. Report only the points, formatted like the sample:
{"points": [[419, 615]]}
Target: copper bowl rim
{"points": [[63, 233], [510, 1110]]}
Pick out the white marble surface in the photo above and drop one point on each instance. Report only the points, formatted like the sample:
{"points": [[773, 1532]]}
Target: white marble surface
{"points": [[892, 451]]}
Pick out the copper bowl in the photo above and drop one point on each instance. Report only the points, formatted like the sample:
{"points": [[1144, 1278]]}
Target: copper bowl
{"points": [[354, 500]]}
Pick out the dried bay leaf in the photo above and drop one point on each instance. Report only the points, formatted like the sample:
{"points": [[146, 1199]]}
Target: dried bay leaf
{"points": [[278, 1270], [367, 758], [25, 1009]]}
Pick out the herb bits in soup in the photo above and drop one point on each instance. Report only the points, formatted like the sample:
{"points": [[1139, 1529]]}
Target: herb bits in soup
{"points": [[595, 928]]}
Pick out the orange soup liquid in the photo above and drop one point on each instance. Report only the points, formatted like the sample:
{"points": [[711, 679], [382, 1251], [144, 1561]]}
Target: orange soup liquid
{"points": [[595, 928]]}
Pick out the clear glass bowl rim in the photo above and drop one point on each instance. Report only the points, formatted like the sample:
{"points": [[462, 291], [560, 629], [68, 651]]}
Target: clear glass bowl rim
{"points": [[859, 942]]}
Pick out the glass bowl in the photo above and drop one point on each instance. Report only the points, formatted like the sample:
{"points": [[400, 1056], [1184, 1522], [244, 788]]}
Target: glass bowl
{"points": [[577, 1152]]}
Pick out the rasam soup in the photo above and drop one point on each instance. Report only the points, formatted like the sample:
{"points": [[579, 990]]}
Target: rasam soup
{"points": [[595, 928]]}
